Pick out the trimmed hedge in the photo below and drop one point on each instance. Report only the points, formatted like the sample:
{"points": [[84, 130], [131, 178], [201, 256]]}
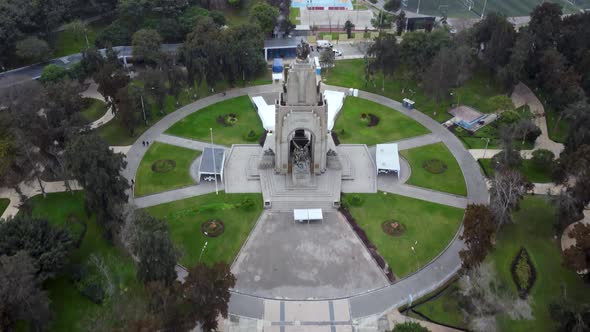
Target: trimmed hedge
{"points": [[523, 273]]}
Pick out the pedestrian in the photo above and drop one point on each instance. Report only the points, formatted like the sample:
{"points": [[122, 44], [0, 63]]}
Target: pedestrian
{"points": [[132, 183], [143, 143], [147, 143]]}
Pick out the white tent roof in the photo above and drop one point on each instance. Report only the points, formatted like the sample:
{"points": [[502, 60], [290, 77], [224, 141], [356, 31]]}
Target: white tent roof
{"points": [[388, 157], [266, 112]]}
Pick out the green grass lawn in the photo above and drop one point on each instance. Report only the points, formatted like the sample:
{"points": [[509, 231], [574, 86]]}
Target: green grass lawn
{"points": [[557, 127], [430, 224], [444, 307], [528, 168], [147, 181], [350, 73], [393, 125], [94, 109], [67, 43], [196, 126], [451, 180], [69, 305], [4, 202], [533, 229], [294, 14], [186, 216]]}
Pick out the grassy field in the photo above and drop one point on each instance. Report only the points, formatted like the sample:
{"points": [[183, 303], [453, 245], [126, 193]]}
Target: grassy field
{"points": [[477, 91], [294, 14], [147, 181], [186, 216], [67, 43], [533, 229], [429, 228], [393, 125], [557, 127], [94, 109], [459, 8], [528, 168], [4, 202], [69, 305], [445, 307], [196, 126], [451, 180]]}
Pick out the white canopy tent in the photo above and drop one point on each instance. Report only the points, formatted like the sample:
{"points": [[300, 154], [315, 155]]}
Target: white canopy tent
{"points": [[388, 158], [212, 162], [266, 112], [302, 215]]}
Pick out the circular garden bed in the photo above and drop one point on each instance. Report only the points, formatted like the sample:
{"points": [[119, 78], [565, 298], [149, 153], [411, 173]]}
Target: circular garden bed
{"points": [[434, 166], [227, 120], [393, 227], [163, 165], [372, 119], [212, 228]]}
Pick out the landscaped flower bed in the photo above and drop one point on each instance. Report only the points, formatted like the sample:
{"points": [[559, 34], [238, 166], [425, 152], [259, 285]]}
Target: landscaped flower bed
{"points": [[434, 166], [393, 227], [212, 228], [523, 273], [163, 165], [227, 120]]}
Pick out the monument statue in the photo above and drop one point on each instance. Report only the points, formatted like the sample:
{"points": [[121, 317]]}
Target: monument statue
{"points": [[301, 157], [303, 50]]}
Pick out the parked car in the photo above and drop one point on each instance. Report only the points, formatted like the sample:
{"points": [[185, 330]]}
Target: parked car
{"points": [[337, 52], [323, 44]]}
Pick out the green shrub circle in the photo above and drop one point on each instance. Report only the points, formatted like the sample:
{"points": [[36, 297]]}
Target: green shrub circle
{"points": [[212, 228], [163, 165], [356, 200], [393, 227], [434, 166]]}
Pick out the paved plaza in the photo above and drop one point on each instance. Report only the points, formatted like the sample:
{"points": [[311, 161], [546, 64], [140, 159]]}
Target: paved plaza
{"points": [[286, 259]]}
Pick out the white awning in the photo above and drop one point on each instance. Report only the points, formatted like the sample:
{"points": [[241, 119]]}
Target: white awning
{"points": [[388, 157], [307, 214], [266, 113], [335, 101], [315, 214]]}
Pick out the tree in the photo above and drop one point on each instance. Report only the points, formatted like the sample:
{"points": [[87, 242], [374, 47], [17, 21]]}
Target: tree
{"points": [[21, 296], [568, 210], [570, 316], [385, 53], [577, 257], [202, 51], [33, 49], [401, 22], [53, 73], [576, 165], [417, 49], [508, 187], [206, 289], [497, 36], [543, 158], [241, 52], [409, 327], [91, 61], [348, 27], [508, 158], [383, 20], [478, 232], [110, 80], [484, 297], [545, 25], [79, 29], [327, 58], [578, 116], [264, 15], [392, 5], [132, 108], [441, 75], [561, 80], [154, 250], [49, 247], [98, 169], [528, 130], [155, 85], [146, 45]]}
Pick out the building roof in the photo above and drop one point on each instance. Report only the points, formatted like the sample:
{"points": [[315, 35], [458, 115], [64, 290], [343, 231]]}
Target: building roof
{"points": [[207, 161], [282, 43], [388, 157], [466, 113]]}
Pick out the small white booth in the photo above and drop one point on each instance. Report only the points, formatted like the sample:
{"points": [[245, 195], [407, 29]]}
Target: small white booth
{"points": [[212, 162], [387, 156]]}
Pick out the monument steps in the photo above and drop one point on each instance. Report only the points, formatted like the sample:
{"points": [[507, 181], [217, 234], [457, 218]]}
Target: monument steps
{"points": [[288, 206]]}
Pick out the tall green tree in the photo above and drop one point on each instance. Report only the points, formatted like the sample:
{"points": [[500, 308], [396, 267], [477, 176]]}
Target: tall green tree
{"points": [[206, 290], [98, 169], [348, 27], [385, 53], [400, 22], [496, 36], [478, 232], [146, 45], [202, 52], [33, 49], [48, 246], [265, 16], [154, 250], [392, 5], [21, 295]]}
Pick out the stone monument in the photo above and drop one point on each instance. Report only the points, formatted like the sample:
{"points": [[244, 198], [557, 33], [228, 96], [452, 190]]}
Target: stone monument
{"points": [[301, 126]]}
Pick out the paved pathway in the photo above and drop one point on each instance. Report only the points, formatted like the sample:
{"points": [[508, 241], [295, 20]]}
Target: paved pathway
{"points": [[187, 143], [92, 92], [567, 241]]}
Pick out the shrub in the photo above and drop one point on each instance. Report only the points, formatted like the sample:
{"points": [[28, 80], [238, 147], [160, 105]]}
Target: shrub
{"points": [[250, 136], [33, 48], [93, 291], [248, 204], [509, 117], [523, 273], [434, 166], [77, 272], [373, 120], [543, 158], [356, 200], [53, 73], [409, 327], [532, 135]]}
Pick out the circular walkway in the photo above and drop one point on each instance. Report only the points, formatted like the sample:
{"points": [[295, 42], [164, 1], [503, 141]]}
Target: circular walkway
{"points": [[376, 302]]}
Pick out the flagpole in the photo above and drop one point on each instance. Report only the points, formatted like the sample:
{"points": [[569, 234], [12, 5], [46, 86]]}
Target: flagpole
{"points": [[214, 166]]}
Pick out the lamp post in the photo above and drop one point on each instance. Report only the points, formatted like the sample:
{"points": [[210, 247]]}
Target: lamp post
{"points": [[418, 9], [214, 166], [484, 9], [487, 139]]}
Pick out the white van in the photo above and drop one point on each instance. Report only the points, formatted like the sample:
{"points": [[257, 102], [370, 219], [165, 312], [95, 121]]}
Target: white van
{"points": [[323, 44]]}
